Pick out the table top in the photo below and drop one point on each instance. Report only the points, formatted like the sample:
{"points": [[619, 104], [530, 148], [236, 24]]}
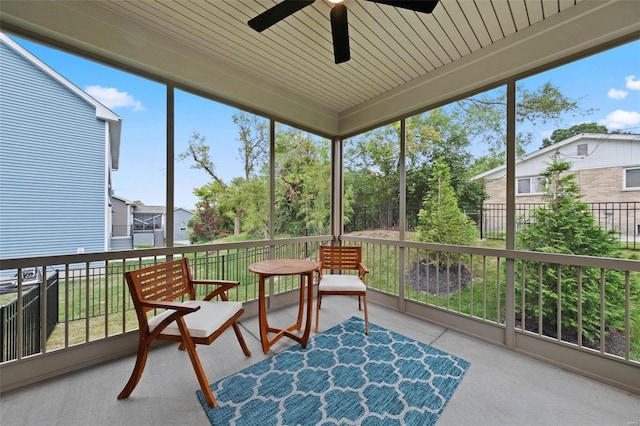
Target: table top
{"points": [[284, 267]]}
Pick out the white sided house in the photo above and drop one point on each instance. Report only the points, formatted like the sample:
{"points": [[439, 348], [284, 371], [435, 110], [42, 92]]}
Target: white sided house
{"points": [[58, 148], [607, 169], [150, 228]]}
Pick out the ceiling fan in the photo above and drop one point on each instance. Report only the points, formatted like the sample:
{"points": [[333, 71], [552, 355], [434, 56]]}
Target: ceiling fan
{"points": [[339, 26]]}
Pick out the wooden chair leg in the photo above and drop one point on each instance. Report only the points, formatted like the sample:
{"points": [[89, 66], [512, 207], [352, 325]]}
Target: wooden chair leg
{"points": [[190, 347], [366, 314], [318, 310], [141, 360], [243, 345]]}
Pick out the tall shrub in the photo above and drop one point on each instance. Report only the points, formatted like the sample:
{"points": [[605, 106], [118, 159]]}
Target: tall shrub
{"points": [[567, 226], [440, 220]]}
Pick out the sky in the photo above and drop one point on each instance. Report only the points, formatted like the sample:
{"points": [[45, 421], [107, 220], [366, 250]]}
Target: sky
{"points": [[608, 83]]}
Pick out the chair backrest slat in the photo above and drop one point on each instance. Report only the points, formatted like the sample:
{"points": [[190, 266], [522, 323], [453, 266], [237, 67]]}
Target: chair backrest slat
{"points": [[340, 257], [162, 282]]}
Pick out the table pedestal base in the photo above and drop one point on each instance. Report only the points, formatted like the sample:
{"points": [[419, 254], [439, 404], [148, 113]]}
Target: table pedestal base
{"points": [[267, 269]]}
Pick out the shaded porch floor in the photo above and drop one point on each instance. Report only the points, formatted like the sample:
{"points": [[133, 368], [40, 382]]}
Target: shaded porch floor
{"points": [[500, 388]]}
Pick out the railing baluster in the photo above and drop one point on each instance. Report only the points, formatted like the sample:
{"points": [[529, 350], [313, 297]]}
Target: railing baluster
{"points": [[87, 298], [602, 309], [627, 316], [580, 307], [559, 303]]}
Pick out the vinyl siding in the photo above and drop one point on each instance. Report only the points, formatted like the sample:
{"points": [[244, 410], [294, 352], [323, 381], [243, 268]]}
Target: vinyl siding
{"points": [[181, 218], [52, 165]]}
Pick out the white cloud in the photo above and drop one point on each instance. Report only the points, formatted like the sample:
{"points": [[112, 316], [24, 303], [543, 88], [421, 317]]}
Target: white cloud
{"points": [[619, 119], [617, 94], [113, 98], [632, 83]]}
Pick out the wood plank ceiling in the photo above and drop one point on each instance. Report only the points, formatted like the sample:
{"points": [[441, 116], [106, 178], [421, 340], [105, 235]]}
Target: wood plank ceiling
{"points": [[389, 46], [401, 62]]}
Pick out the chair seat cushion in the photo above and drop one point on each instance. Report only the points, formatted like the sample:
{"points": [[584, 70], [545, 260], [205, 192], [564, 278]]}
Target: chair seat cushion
{"points": [[201, 323], [335, 282]]}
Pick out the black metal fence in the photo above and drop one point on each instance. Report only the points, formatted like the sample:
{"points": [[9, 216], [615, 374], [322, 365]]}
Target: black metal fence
{"points": [[380, 217], [31, 317], [621, 217], [100, 291]]}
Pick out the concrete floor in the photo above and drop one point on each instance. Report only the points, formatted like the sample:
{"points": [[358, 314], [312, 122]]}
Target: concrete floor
{"points": [[500, 388]]}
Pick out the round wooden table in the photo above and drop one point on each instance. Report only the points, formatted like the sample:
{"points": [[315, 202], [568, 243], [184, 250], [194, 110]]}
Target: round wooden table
{"points": [[282, 267]]}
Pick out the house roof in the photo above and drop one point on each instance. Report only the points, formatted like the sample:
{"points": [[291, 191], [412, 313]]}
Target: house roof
{"points": [[501, 170], [124, 200], [102, 112], [401, 61], [183, 209], [149, 209]]}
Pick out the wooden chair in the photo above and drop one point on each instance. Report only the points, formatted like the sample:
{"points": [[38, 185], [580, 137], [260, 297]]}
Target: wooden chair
{"points": [[342, 258], [189, 322]]}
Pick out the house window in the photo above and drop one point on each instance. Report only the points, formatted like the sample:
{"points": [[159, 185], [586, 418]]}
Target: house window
{"points": [[583, 149], [632, 178], [532, 185], [147, 221]]}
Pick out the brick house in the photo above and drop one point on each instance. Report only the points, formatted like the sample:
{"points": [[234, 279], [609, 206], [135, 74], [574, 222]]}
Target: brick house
{"points": [[607, 169]]}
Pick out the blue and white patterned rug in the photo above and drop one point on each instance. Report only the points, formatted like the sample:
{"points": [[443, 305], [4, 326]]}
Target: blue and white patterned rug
{"points": [[343, 377]]}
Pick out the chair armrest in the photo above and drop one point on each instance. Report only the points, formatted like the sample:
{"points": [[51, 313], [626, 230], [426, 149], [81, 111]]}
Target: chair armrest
{"points": [[319, 271], [176, 306], [217, 282], [178, 314], [362, 271], [223, 286]]}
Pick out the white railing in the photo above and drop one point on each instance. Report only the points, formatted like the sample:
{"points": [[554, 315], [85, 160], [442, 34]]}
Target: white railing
{"points": [[504, 297], [477, 291]]}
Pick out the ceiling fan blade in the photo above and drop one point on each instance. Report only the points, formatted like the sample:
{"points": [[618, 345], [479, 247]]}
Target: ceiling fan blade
{"points": [[424, 6], [277, 13], [340, 33]]}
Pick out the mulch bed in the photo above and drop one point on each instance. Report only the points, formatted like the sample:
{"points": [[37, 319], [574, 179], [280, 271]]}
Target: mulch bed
{"points": [[614, 341], [436, 279]]}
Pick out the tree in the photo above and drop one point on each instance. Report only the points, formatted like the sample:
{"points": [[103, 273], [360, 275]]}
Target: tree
{"points": [[209, 221], [302, 189], [566, 225], [441, 138], [253, 195], [484, 117], [371, 166], [440, 220], [562, 134], [198, 151], [254, 143], [253, 134], [372, 162]]}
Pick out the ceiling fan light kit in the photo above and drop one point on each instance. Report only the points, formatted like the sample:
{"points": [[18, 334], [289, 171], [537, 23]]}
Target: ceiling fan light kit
{"points": [[338, 17]]}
